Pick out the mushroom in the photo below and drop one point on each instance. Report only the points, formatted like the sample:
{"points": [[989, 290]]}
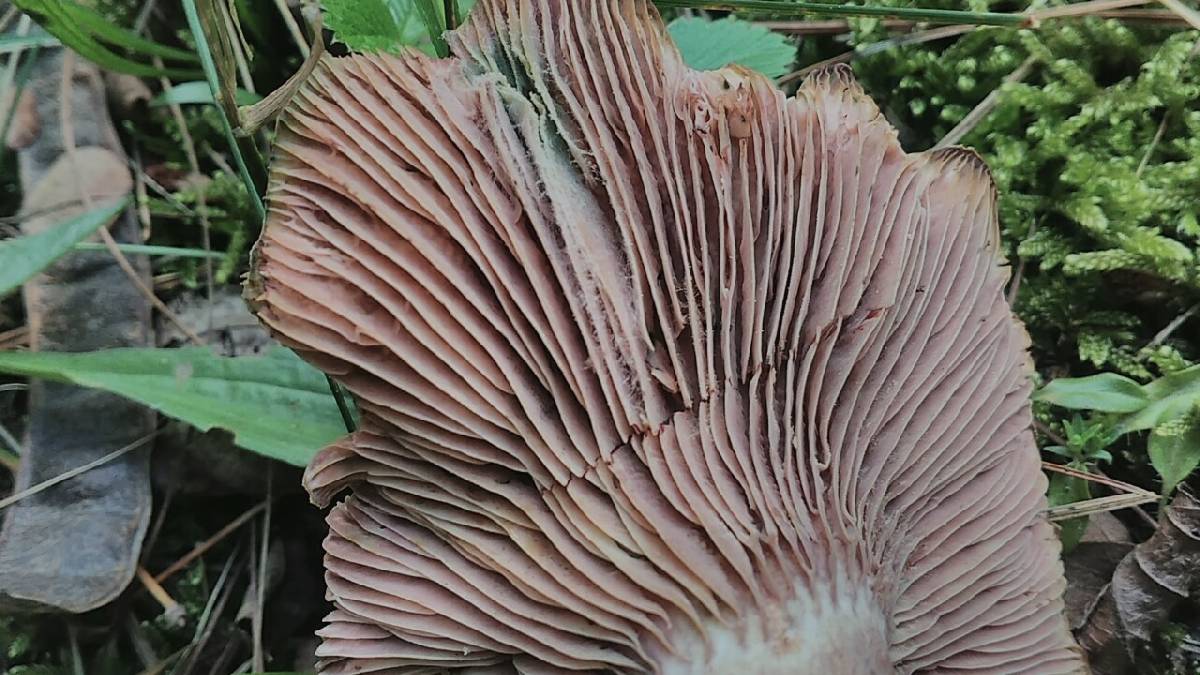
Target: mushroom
{"points": [[660, 371]]}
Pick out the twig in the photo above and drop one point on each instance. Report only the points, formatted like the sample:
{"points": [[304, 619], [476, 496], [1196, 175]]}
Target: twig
{"points": [[204, 546], [916, 37], [123, 262], [9, 15], [189, 151], [1049, 433], [1186, 13], [11, 442], [985, 107], [68, 135], [14, 337], [6, 80], [236, 43], [1098, 505], [260, 583], [1082, 9], [1162, 335], [141, 199], [216, 604], [836, 26], [68, 475], [1102, 480], [293, 27], [1162, 124]]}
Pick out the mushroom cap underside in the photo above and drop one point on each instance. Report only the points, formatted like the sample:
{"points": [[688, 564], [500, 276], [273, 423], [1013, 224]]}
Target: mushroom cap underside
{"points": [[659, 370]]}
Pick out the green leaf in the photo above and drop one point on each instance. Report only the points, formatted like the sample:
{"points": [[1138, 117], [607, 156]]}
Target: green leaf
{"points": [[388, 25], [1106, 392], [188, 93], [149, 249], [366, 25], [1068, 490], [709, 45], [23, 257], [92, 36], [1170, 397], [1174, 450], [274, 403], [430, 12]]}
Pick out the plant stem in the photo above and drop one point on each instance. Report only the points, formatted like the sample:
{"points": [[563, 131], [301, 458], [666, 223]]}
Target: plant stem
{"points": [[343, 406], [913, 13], [214, 85]]}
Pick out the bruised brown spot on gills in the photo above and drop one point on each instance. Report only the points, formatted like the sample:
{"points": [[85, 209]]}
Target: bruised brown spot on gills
{"points": [[660, 371]]}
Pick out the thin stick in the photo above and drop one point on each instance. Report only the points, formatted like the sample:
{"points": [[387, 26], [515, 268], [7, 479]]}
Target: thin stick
{"points": [[1093, 478], [68, 475], [1162, 124], [836, 26], [236, 41], [985, 107], [123, 262], [1082, 9], [67, 122], [1186, 13], [12, 444], [9, 15], [141, 199], [292, 26], [874, 48], [213, 608], [14, 338], [260, 585], [204, 546], [1098, 505], [189, 151], [1170, 328]]}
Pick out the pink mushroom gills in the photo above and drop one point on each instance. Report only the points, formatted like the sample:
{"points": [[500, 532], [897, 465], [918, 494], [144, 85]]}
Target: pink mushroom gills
{"points": [[660, 371]]}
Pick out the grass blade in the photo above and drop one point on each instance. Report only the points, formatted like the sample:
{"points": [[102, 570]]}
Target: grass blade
{"points": [[254, 182], [23, 257], [67, 21], [274, 403]]}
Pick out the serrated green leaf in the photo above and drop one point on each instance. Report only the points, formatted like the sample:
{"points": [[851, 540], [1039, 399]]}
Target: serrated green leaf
{"points": [[1175, 456], [273, 404], [1106, 392], [23, 257], [365, 25], [388, 25], [709, 45]]}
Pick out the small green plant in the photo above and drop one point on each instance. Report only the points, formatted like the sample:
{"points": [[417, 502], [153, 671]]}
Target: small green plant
{"points": [[1168, 407]]}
